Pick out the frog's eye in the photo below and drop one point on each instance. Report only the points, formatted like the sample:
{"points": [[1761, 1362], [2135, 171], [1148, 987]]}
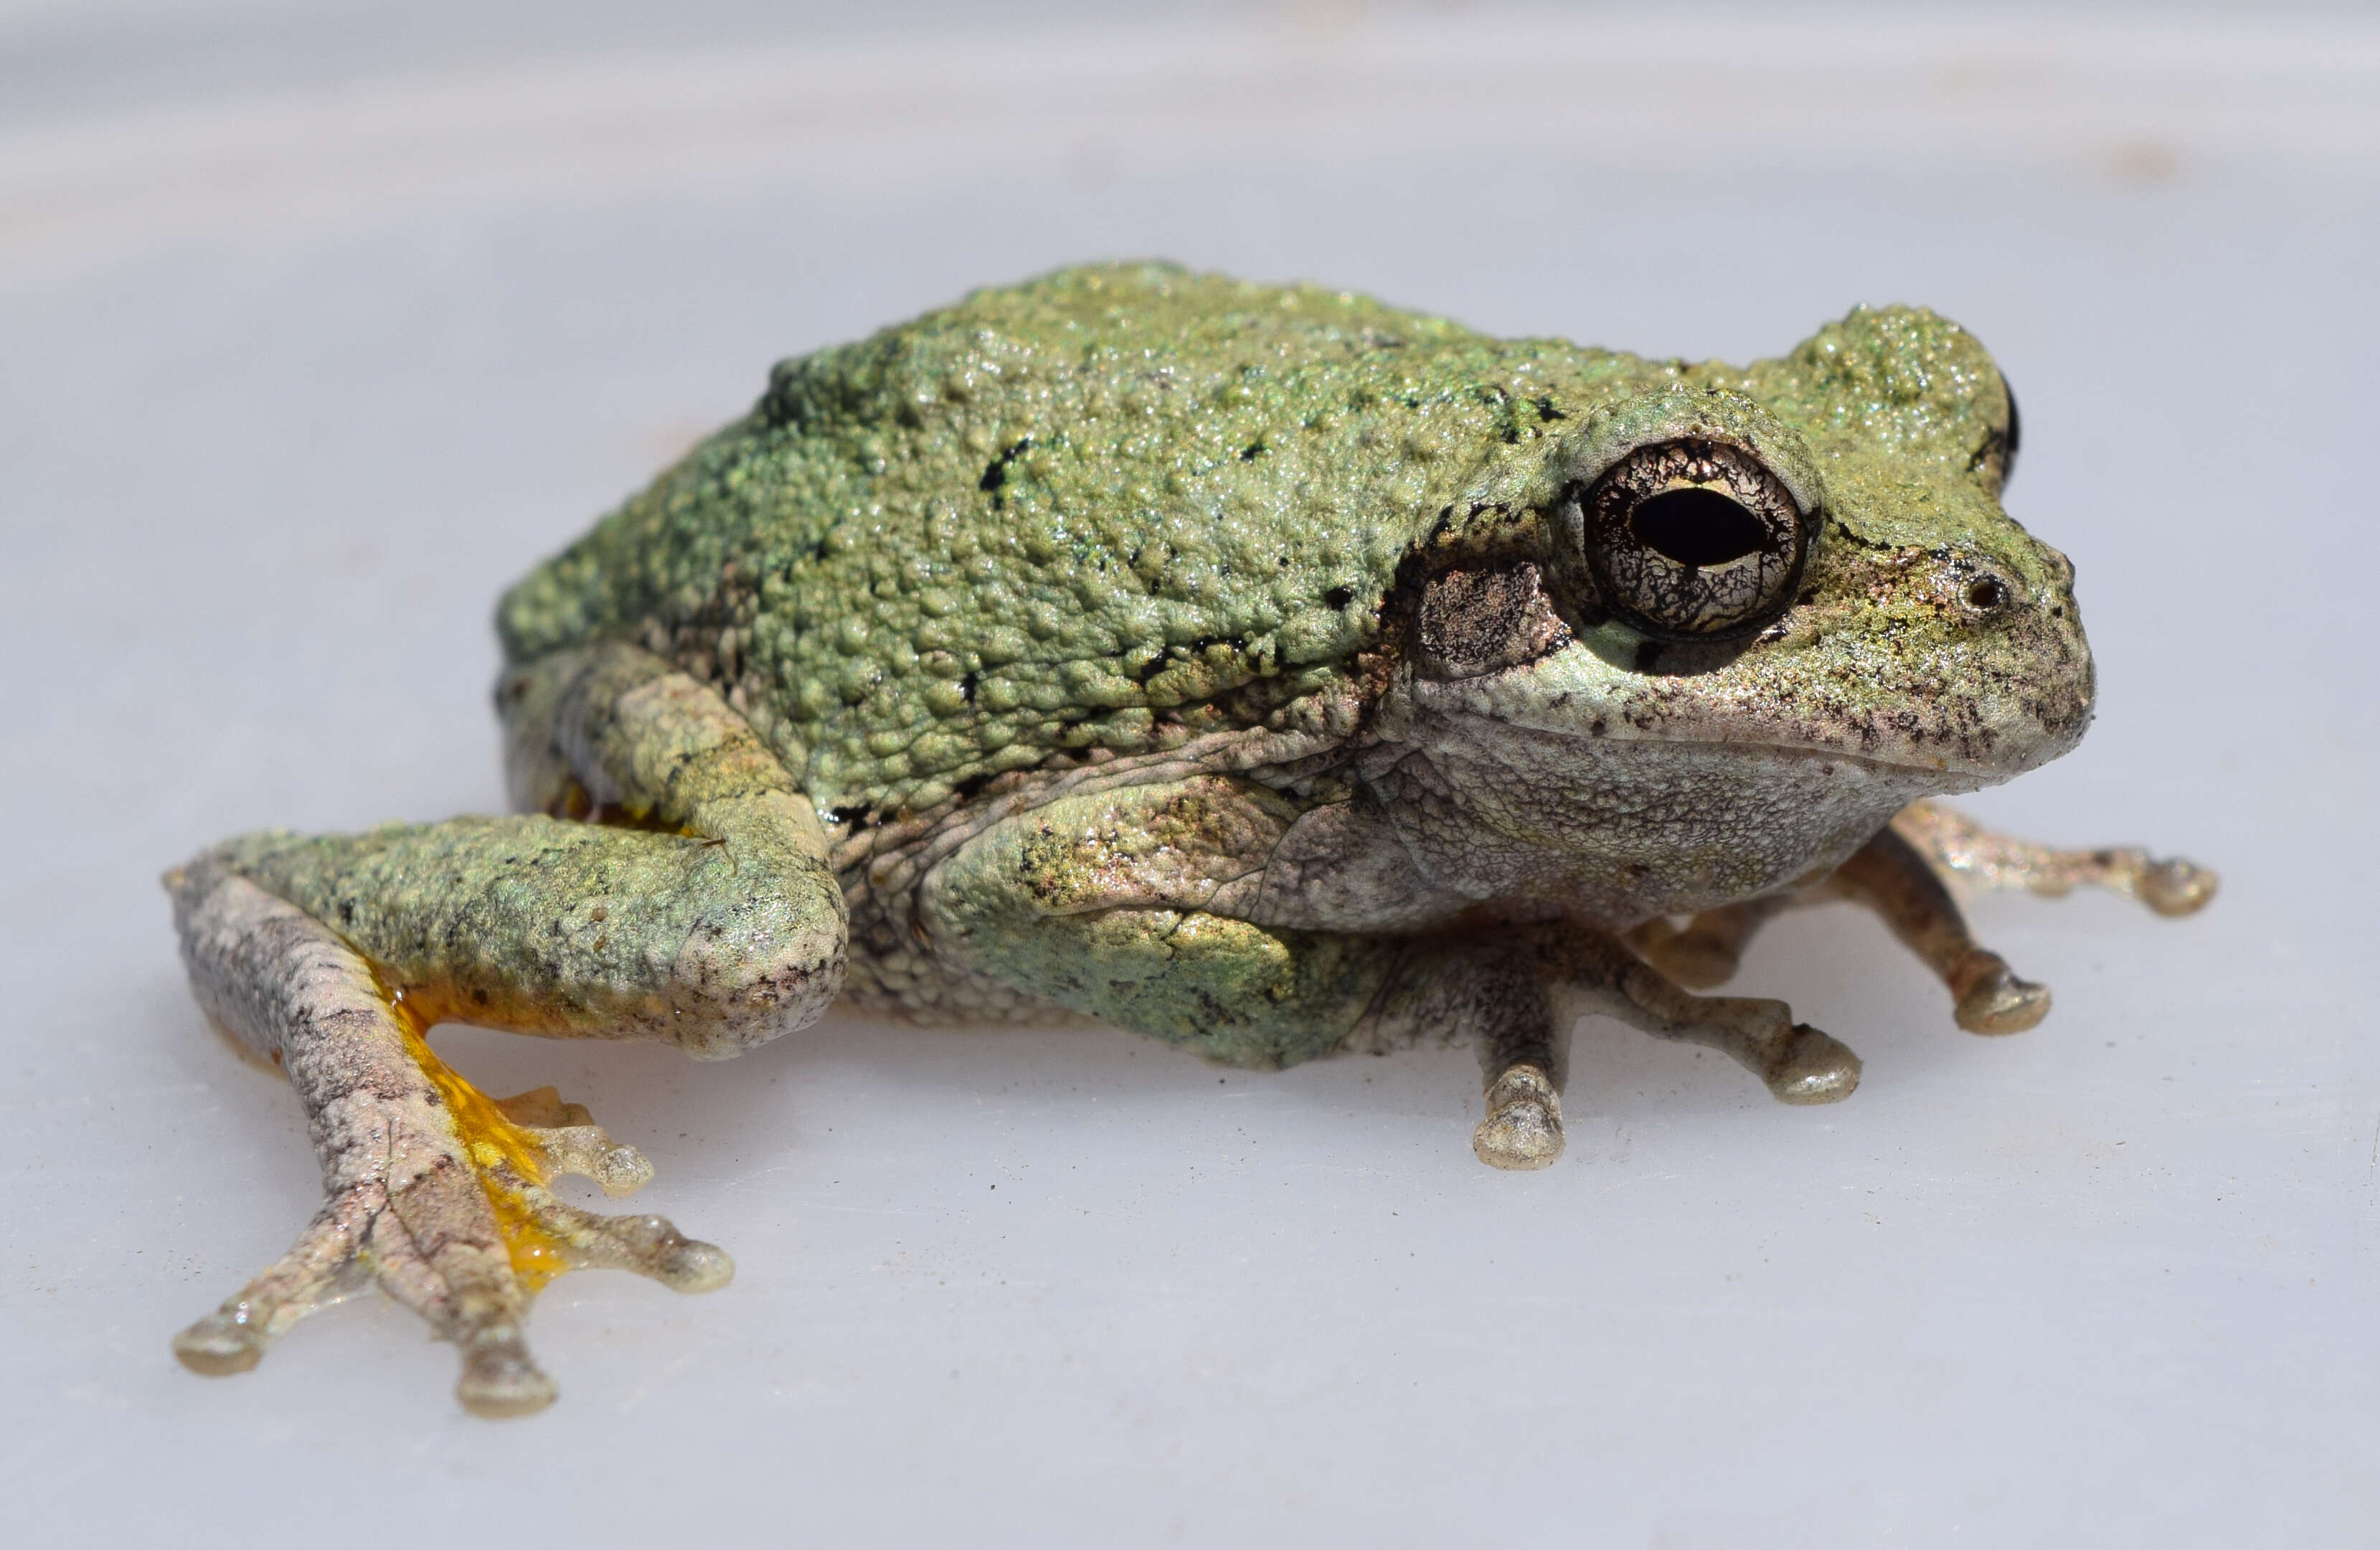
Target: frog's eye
{"points": [[1693, 539]]}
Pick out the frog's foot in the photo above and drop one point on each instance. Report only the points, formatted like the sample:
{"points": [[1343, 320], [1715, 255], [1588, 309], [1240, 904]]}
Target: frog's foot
{"points": [[463, 1229], [434, 1191], [1965, 848], [1523, 1127], [1897, 881], [1991, 998], [1798, 1064]]}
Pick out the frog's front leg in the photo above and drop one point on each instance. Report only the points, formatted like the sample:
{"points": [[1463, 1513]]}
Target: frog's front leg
{"points": [[714, 927], [1124, 905], [1965, 848], [1888, 877], [1901, 875], [1570, 970], [1707, 950]]}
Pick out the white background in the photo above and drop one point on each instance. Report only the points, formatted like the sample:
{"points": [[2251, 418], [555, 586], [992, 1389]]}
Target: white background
{"points": [[319, 323]]}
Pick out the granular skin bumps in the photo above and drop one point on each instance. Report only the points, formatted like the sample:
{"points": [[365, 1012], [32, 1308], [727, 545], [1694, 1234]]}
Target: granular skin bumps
{"points": [[1085, 512]]}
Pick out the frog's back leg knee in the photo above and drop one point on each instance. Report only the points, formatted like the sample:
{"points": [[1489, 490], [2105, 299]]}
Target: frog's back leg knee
{"points": [[705, 917]]}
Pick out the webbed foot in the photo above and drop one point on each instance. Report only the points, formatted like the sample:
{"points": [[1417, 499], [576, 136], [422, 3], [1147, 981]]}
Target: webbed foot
{"points": [[434, 1191]]}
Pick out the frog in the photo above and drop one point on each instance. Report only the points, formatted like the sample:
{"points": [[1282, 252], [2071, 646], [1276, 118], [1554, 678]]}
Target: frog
{"points": [[1264, 669]]}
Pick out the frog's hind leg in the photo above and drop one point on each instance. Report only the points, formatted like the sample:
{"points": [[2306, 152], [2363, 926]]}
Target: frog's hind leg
{"points": [[714, 923], [432, 1191]]}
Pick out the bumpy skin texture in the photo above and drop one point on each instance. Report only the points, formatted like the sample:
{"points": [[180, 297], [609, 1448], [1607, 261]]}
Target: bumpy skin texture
{"points": [[1266, 670], [1121, 507]]}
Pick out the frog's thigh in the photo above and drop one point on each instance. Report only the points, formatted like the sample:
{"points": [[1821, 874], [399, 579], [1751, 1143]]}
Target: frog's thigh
{"points": [[1112, 904], [538, 925], [716, 925]]}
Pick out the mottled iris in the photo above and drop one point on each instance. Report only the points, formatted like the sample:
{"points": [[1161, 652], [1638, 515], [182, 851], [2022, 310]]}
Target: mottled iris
{"points": [[1693, 539]]}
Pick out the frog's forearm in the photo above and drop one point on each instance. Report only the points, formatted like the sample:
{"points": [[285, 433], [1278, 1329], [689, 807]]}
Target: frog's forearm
{"points": [[1965, 848], [1095, 902]]}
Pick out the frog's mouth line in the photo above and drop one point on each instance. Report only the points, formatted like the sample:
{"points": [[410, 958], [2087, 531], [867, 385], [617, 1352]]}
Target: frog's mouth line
{"points": [[1946, 774], [1997, 740], [1945, 767]]}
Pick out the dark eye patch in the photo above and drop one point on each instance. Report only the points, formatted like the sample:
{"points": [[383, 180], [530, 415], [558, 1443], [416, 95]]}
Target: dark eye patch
{"points": [[1473, 622]]}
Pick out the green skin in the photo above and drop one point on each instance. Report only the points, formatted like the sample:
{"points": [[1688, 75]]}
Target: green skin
{"points": [[1222, 662], [1120, 507]]}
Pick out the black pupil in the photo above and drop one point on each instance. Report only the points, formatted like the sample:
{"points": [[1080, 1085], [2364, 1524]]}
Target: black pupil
{"points": [[1697, 528]]}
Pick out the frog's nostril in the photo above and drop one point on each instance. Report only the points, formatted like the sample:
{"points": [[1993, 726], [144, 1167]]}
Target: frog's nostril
{"points": [[1987, 593]]}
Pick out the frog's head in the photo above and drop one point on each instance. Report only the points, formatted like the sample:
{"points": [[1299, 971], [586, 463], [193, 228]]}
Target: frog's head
{"points": [[1809, 556]]}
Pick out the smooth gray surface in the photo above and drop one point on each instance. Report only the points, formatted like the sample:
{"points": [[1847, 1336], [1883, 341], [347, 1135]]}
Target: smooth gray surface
{"points": [[295, 373]]}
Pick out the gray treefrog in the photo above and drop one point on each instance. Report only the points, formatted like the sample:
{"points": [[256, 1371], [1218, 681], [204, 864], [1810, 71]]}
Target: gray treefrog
{"points": [[1263, 669]]}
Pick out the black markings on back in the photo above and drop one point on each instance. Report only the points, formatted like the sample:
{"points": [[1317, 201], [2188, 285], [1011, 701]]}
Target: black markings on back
{"points": [[995, 473]]}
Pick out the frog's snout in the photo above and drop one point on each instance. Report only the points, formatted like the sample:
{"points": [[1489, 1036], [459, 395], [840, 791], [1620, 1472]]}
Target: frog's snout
{"points": [[2036, 646]]}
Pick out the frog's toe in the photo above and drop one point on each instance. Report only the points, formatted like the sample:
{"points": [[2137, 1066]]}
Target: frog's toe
{"points": [[1992, 999], [568, 1140], [499, 1378], [219, 1345], [323, 1267], [2174, 887], [1523, 1127], [1808, 1066], [647, 1244]]}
